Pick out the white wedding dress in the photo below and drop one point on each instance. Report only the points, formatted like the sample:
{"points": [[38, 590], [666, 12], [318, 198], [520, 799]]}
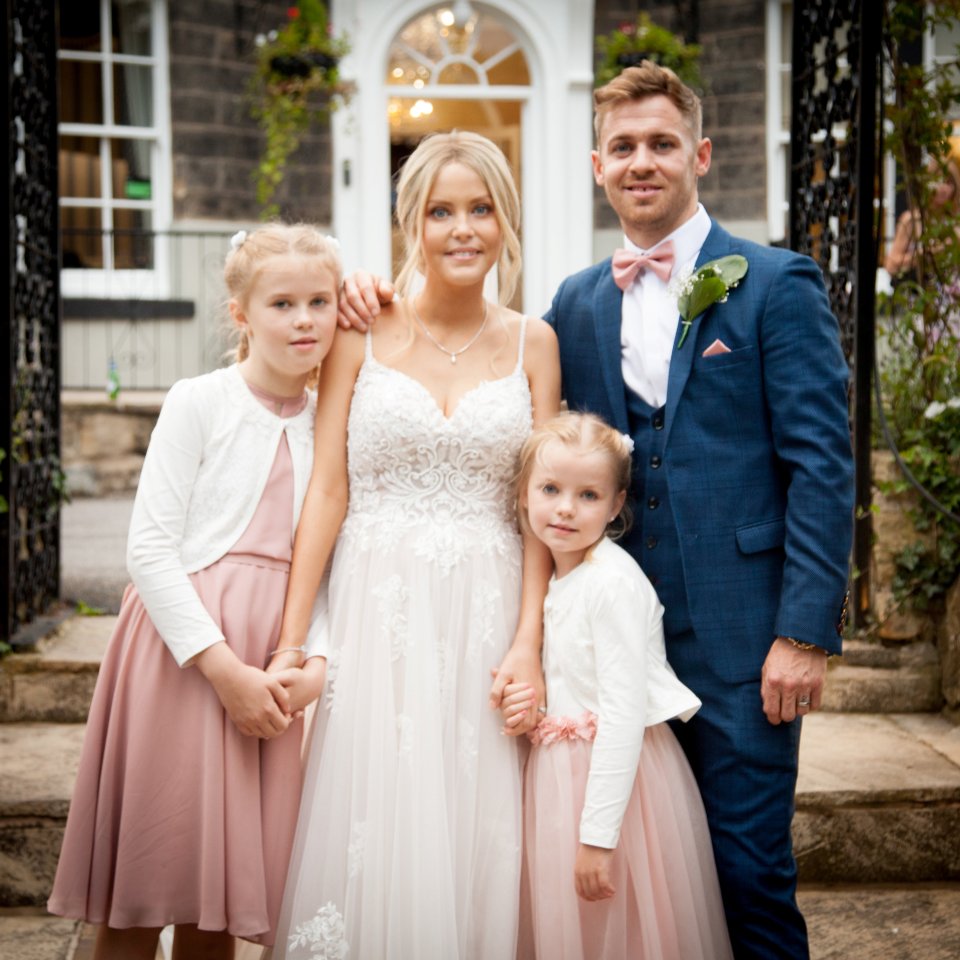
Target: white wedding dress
{"points": [[408, 842]]}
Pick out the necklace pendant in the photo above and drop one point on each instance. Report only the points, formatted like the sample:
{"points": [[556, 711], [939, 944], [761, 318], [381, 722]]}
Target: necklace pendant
{"points": [[453, 358]]}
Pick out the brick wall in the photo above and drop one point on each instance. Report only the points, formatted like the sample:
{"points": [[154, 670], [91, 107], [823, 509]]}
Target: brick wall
{"points": [[216, 143], [732, 34]]}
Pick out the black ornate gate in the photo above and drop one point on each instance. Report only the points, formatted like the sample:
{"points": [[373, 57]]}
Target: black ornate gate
{"points": [[834, 159], [30, 391]]}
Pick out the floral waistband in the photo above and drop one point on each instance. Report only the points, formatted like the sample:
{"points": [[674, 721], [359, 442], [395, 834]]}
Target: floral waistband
{"points": [[552, 729]]}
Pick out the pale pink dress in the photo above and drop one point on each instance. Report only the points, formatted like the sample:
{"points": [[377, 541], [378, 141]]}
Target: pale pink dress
{"points": [[177, 817]]}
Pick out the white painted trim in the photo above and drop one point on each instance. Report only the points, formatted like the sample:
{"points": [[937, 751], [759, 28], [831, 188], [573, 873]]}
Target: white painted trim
{"points": [[777, 186], [557, 187]]}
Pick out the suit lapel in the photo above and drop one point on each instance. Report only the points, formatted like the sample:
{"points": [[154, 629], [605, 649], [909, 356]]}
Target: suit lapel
{"points": [[716, 245], [608, 315]]}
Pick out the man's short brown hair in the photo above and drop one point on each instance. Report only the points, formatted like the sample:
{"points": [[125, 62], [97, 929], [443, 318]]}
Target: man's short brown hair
{"points": [[648, 80]]}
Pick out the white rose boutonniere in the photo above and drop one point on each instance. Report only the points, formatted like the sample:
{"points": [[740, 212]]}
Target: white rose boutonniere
{"points": [[710, 284]]}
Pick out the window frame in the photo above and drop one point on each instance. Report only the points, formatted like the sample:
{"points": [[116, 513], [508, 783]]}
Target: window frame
{"points": [[107, 281]]}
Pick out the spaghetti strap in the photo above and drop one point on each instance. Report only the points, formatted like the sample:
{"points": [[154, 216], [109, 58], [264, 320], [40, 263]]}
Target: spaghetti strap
{"points": [[523, 340], [368, 345]]}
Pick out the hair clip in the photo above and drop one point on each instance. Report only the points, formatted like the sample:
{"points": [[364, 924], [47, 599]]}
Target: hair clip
{"points": [[333, 241], [237, 240], [627, 442]]}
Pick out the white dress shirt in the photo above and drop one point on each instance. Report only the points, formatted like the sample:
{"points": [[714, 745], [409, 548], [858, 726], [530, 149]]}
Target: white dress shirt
{"points": [[603, 651], [649, 314]]}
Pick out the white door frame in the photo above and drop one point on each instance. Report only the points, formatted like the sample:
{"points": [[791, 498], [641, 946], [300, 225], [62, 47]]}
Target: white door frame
{"points": [[557, 187]]}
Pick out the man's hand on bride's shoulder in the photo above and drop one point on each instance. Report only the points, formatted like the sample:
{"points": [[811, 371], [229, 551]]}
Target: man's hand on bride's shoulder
{"points": [[361, 297]]}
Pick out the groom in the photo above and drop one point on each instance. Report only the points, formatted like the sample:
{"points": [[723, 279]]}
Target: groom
{"points": [[743, 478]]}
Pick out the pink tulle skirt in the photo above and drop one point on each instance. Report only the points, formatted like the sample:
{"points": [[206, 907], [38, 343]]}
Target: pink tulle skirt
{"points": [[176, 817], [667, 904]]}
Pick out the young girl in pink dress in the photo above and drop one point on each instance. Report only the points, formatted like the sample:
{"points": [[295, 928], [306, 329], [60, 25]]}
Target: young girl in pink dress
{"points": [[186, 800], [617, 858]]}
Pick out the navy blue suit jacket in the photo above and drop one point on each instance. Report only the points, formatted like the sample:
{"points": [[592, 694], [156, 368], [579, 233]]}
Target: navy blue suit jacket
{"points": [[757, 457]]}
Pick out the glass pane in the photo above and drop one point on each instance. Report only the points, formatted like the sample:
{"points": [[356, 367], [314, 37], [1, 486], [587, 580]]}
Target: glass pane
{"points": [[404, 69], [945, 42], [131, 27], [423, 35], [80, 26], [458, 73], [133, 241], [131, 169], [510, 70], [81, 238], [81, 92], [133, 95], [492, 37], [79, 173]]}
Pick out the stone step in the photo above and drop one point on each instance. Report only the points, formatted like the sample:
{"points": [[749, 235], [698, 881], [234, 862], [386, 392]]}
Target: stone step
{"points": [[39, 763], [872, 677], [54, 683], [878, 799], [32, 934]]}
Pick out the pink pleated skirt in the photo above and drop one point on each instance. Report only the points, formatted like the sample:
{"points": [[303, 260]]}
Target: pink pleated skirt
{"points": [[667, 904], [176, 816]]}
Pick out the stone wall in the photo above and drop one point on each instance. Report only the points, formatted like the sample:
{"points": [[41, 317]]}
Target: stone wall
{"points": [[216, 143]]}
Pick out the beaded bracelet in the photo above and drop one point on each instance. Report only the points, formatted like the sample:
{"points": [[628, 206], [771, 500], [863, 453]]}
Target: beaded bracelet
{"points": [[801, 645]]}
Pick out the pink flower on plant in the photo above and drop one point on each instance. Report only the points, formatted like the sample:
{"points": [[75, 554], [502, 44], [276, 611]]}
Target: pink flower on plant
{"points": [[628, 29], [293, 13]]}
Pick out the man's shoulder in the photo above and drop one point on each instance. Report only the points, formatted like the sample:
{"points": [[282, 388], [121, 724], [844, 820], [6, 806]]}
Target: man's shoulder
{"points": [[756, 253]]}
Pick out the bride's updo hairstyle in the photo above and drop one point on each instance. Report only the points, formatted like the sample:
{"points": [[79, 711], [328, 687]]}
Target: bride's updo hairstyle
{"points": [[587, 433], [417, 175]]}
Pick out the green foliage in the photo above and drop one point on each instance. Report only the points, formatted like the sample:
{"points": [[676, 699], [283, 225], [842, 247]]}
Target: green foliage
{"points": [[632, 43], [925, 573], [296, 84], [4, 506], [84, 609]]}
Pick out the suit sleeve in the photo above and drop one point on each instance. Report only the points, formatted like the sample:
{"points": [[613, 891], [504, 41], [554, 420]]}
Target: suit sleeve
{"points": [[805, 385]]}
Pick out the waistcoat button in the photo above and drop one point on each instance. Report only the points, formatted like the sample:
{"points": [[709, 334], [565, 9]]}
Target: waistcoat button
{"points": [[655, 462], [651, 542], [653, 503]]}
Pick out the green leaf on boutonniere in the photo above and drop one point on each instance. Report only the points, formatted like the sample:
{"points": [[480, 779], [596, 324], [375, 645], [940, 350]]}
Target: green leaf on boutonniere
{"points": [[706, 286]]}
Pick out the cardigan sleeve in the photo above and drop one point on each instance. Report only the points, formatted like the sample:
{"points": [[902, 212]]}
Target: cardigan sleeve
{"points": [[157, 525], [620, 613]]}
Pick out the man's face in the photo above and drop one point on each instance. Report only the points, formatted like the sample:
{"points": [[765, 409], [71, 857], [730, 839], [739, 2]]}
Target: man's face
{"points": [[648, 163]]}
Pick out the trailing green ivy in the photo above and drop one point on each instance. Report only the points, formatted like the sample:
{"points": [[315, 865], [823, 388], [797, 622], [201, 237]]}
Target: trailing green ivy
{"points": [[632, 43], [919, 322]]}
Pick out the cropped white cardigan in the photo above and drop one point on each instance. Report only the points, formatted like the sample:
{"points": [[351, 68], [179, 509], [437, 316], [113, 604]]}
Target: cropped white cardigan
{"points": [[205, 471]]}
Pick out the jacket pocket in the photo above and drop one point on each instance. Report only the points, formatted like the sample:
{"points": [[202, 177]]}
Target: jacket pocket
{"points": [[766, 535]]}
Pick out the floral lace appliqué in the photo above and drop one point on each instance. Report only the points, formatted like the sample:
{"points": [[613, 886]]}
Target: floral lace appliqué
{"points": [[392, 597], [358, 842], [323, 934]]}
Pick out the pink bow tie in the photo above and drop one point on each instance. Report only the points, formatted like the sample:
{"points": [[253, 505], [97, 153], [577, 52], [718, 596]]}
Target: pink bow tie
{"points": [[627, 264]]}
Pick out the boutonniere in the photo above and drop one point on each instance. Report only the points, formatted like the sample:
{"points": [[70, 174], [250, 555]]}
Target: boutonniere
{"points": [[710, 284]]}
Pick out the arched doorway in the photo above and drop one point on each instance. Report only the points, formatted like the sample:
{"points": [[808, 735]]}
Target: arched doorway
{"points": [[521, 75]]}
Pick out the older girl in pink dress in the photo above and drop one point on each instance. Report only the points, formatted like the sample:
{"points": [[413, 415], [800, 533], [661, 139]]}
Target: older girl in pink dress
{"points": [[186, 800]]}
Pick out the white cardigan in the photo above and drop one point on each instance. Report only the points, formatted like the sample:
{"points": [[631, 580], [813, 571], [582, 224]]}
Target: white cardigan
{"points": [[205, 471], [603, 651]]}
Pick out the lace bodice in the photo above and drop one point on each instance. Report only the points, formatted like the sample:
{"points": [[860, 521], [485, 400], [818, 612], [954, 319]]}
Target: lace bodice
{"points": [[450, 477]]}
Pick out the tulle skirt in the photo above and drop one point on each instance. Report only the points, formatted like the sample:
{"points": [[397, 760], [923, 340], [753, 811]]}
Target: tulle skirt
{"points": [[667, 904], [176, 817]]}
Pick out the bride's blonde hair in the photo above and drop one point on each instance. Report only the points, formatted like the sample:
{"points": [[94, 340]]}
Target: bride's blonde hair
{"points": [[417, 176]]}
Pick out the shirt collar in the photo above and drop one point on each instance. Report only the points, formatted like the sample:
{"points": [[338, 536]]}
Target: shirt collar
{"points": [[687, 239]]}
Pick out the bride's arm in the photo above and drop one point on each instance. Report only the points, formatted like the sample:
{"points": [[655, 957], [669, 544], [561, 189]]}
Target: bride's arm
{"points": [[325, 503], [522, 662]]}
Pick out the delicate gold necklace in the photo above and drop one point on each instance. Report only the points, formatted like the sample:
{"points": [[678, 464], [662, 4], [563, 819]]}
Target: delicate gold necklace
{"points": [[452, 354]]}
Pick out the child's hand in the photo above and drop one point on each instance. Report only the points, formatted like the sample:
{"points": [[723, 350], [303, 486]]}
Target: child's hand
{"points": [[303, 684], [519, 701], [592, 873], [258, 704], [520, 665]]}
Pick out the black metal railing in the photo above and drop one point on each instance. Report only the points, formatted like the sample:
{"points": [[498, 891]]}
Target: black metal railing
{"points": [[834, 159], [30, 394]]}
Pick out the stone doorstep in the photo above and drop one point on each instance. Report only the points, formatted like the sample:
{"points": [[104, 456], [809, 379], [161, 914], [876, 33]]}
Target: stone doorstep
{"points": [[878, 799], [55, 682], [29, 933]]}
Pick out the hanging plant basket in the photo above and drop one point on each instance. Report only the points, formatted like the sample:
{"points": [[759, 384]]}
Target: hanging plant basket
{"points": [[633, 43], [296, 84]]}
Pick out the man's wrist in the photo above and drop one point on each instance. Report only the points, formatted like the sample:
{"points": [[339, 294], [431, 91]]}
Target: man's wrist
{"points": [[803, 645]]}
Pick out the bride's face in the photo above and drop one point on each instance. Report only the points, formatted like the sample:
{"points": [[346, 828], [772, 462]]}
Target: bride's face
{"points": [[461, 233]]}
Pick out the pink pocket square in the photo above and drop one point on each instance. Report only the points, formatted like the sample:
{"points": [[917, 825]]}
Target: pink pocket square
{"points": [[716, 348]]}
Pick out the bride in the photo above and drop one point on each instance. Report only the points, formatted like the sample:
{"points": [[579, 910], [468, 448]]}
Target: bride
{"points": [[408, 842]]}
